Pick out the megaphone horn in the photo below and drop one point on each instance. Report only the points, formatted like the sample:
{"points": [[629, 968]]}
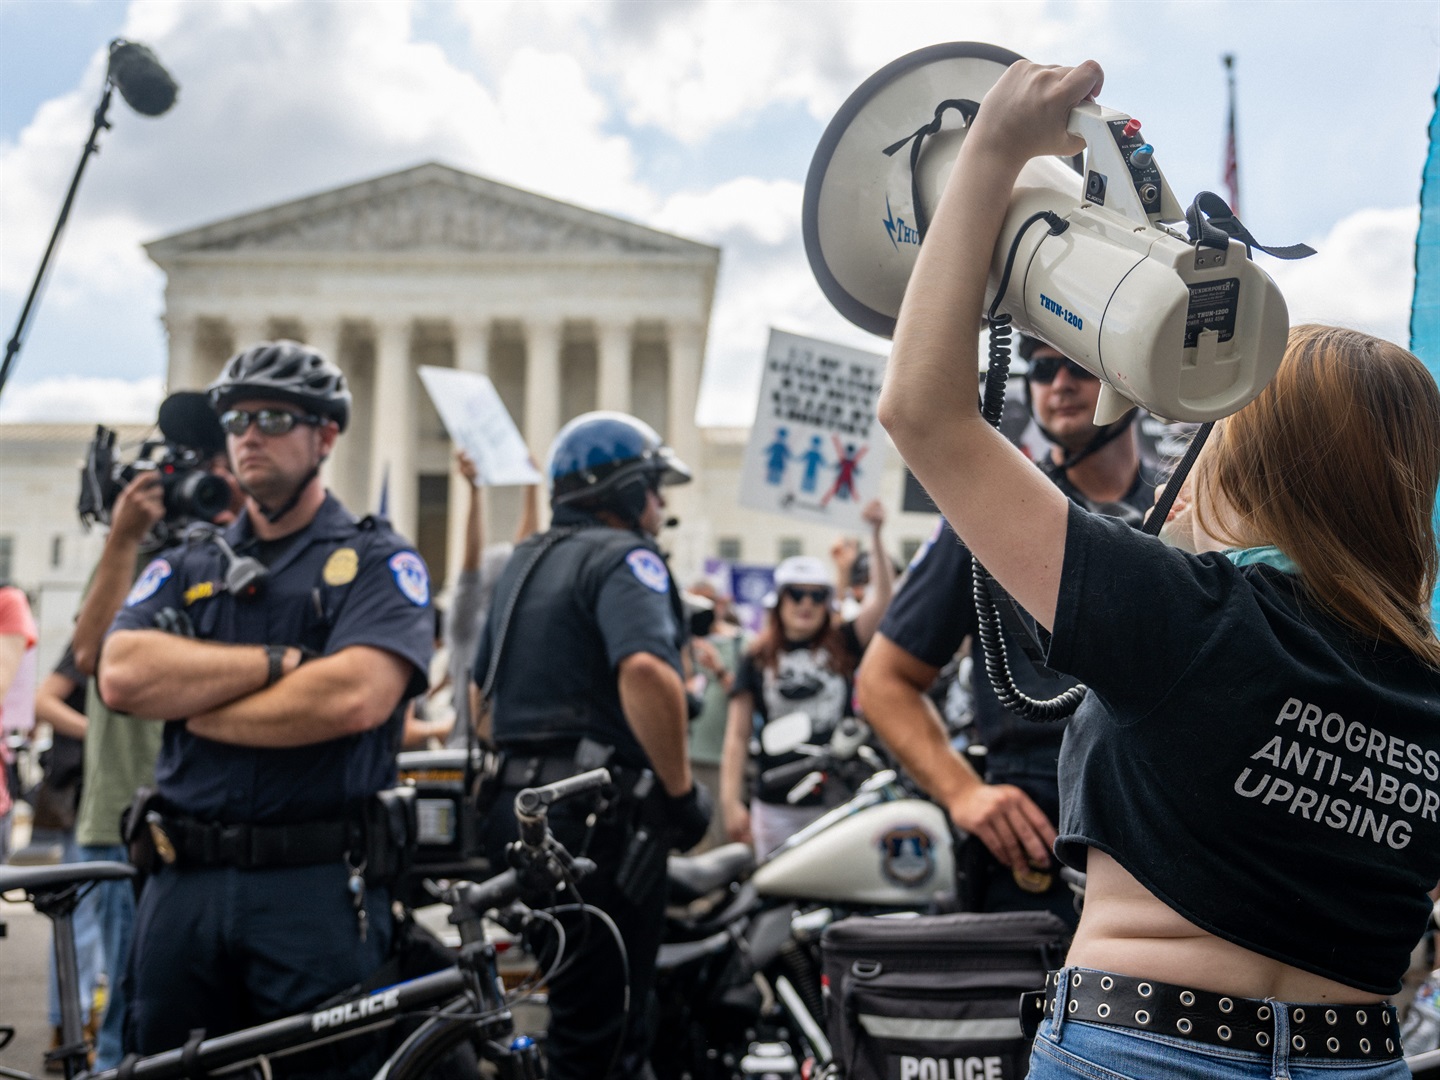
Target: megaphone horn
{"points": [[1190, 329]]}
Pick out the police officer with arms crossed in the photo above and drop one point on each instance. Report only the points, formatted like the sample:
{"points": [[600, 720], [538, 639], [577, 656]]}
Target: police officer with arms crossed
{"points": [[584, 639], [284, 700], [1012, 809]]}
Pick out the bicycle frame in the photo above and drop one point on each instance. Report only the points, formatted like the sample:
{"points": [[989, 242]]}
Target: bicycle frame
{"points": [[465, 1001]]}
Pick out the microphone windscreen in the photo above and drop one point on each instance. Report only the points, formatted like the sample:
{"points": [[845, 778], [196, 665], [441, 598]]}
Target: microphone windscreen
{"points": [[143, 83], [187, 418]]}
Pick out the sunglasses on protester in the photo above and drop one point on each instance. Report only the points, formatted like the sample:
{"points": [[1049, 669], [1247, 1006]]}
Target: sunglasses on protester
{"points": [[796, 593], [1043, 369], [269, 421]]}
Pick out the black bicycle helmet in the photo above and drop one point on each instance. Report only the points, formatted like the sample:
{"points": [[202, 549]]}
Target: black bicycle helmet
{"points": [[284, 371]]}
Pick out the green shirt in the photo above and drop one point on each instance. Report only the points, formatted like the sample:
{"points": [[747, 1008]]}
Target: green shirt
{"points": [[707, 731], [120, 753]]}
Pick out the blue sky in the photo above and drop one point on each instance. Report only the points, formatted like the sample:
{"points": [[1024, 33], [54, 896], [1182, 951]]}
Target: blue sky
{"points": [[695, 117]]}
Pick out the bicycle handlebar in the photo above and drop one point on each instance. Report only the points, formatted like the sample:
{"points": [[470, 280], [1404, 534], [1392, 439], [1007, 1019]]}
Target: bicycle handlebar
{"points": [[533, 804], [541, 863]]}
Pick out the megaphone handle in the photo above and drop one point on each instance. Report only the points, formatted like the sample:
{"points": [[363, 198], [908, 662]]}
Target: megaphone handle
{"points": [[1111, 405]]}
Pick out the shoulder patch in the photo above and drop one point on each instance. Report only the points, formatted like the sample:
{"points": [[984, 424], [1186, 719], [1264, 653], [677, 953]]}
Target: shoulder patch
{"points": [[149, 582], [924, 549], [649, 569], [411, 577]]}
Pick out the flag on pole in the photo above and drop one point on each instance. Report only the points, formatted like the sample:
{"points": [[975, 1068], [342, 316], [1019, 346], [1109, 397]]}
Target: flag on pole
{"points": [[1232, 163]]}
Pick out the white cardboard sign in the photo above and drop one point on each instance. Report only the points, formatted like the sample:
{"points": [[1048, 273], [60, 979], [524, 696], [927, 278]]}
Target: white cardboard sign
{"points": [[479, 424], [815, 451]]}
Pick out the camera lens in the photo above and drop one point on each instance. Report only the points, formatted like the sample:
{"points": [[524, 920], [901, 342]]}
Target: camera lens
{"points": [[200, 495]]}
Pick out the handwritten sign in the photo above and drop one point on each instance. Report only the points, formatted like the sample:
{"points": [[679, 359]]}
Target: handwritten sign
{"points": [[815, 450], [479, 424]]}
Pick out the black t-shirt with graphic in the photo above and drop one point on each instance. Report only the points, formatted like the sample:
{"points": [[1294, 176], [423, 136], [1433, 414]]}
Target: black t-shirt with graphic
{"points": [[1252, 762], [804, 679]]}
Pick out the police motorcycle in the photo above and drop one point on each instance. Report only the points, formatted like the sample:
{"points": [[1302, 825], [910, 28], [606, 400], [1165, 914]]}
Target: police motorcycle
{"points": [[738, 987]]}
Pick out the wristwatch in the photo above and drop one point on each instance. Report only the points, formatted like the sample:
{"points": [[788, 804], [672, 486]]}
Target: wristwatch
{"points": [[275, 655]]}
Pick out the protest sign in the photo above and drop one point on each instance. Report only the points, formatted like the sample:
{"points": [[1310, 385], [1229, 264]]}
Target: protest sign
{"points": [[815, 452], [479, 424]]}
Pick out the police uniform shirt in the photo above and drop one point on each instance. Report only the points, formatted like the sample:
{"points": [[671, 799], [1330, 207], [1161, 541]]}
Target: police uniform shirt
{"points": [[595, 597], [336, 583], [1267, 772], [934, 611]]}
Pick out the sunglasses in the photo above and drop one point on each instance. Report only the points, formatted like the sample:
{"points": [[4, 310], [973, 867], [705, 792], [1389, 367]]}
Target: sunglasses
{"points": [[1045, 368], [796, 594], [269, 421]]}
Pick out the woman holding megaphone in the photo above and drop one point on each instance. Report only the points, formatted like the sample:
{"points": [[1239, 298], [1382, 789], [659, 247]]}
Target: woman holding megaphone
{"points": [[1252, 784]]}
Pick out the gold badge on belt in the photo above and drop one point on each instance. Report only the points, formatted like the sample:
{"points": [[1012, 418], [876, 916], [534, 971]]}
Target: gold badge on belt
{"points": [[163, 847]]}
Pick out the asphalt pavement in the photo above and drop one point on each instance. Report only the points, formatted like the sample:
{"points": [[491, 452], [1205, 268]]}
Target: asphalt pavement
{"points": [[24, 976]]}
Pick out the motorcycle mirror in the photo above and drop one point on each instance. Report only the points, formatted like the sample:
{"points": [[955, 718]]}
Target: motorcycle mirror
{"points": [[785, 734]]}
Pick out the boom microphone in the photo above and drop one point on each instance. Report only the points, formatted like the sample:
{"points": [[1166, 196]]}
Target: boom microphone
{"points": [[1186, 326], [144, 84]]}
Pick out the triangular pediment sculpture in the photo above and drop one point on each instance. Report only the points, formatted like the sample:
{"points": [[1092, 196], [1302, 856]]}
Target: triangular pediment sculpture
{"points": [[428, 209]]}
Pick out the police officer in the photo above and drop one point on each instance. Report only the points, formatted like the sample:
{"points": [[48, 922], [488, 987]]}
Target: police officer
{"points": [[584, 639], [281, 650], [1011, 810]]}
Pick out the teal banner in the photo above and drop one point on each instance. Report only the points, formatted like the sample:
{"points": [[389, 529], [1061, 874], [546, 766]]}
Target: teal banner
{"points": [[1425, 309]]}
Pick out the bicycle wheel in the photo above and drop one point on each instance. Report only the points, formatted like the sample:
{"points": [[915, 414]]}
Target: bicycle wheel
{"points": [[438, 1049]]}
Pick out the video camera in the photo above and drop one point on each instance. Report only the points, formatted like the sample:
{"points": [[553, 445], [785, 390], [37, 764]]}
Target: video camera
{"points": [[191, 436]]}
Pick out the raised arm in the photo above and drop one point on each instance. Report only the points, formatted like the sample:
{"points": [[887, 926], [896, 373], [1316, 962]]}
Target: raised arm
{"points": [[474, 514], [1005, 510], [882, 577], [137, 508]]}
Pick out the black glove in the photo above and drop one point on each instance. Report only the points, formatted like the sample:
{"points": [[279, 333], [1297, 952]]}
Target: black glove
{"points": [[173, 621], [688, 817]]}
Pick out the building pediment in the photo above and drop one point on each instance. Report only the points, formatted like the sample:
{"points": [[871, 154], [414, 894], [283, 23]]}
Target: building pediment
{"points": [[428, 209]]}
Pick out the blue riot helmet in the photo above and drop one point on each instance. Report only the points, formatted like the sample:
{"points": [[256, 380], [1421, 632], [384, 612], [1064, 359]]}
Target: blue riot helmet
{"points": [[607, 461]]}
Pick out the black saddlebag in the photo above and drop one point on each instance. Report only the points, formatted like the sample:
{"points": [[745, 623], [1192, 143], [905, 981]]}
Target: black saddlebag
{"points": [[935, 997]]}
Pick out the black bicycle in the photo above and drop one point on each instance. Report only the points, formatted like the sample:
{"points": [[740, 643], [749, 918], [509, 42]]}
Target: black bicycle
{"points": [[462, 1004]]}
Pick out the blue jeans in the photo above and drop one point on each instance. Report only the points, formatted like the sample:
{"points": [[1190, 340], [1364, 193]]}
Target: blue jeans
{"points": [[114, 903], [1067, 1049]]}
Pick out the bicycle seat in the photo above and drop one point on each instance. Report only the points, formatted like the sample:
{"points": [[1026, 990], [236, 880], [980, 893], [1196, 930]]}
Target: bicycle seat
{"points": [[692, 876], [53, 878]]}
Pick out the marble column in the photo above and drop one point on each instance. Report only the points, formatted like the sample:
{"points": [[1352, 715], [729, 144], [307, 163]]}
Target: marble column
{"points": [[471, 353], [543, 341], [247, 330], [686, 341], [346, 469], [613, 344], [687, 354], [183, 372], [392, 428]]}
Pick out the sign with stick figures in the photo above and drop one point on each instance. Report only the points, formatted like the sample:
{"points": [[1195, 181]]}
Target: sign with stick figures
{"points": [[816, 451]]}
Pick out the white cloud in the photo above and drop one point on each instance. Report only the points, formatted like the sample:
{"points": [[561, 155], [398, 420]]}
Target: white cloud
{"points": [[82, 401], [1362, 277], [691, 69]]}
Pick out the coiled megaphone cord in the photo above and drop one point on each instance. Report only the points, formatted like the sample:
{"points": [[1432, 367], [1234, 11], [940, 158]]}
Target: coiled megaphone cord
{"points": [[987, 614]]}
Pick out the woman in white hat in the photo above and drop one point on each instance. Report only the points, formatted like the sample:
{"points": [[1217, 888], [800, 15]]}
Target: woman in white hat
{"points": [[803, 660]]}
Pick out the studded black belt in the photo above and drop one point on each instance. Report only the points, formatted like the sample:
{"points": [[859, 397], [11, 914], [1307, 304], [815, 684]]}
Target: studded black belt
{"points": [[1365, 1032]]}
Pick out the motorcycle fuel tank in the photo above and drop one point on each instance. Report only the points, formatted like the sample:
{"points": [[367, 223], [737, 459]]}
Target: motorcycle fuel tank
{"points": [[896, 853]]}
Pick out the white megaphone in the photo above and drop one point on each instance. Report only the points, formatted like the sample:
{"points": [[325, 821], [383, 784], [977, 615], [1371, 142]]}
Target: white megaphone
{"points": [[1188, 331]]}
